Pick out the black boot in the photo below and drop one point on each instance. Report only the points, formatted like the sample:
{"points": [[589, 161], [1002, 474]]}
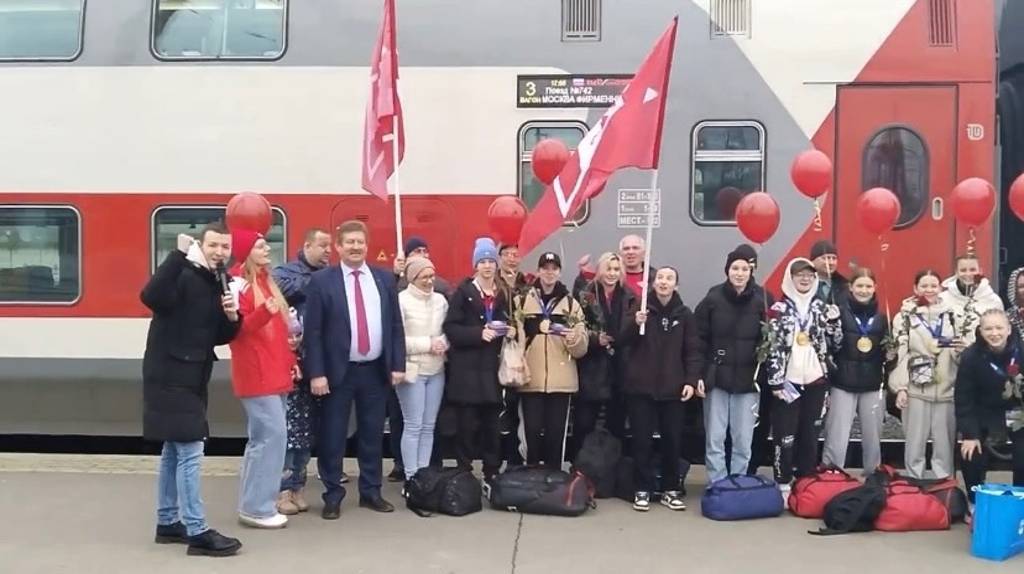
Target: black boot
{"points": [[212, 543], [171, 533]]}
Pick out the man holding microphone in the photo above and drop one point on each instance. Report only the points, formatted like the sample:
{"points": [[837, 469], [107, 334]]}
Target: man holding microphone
{"points": [[191, 315]]}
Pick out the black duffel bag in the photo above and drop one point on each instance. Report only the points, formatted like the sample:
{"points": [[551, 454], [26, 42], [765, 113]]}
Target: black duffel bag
{"points": [[597, 459], [534, 490], [451, 491]]}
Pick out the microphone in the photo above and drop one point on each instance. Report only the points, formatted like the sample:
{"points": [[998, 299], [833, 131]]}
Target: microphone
{"points": [[222, 274]]}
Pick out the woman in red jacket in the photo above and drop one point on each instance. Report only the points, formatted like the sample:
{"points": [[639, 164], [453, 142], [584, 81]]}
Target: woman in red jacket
{"points": [[263, 369]]}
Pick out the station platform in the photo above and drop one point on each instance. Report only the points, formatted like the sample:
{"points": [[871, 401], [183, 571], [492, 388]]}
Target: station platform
{"points": [[92, 513]]}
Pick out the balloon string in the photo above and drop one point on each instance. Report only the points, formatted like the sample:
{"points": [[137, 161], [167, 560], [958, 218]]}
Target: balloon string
{"points": [[971, 241], [818, 225], [884, 247]]}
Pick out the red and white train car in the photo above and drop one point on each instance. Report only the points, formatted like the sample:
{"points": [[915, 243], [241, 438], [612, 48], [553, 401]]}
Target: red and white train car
{"points": [[126, 123]]}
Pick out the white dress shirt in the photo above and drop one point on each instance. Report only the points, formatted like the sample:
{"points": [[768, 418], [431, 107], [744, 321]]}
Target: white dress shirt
{"points": [[372, 304]]}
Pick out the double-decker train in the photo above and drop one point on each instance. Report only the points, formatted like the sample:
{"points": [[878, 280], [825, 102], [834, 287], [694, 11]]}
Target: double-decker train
{"points": [[126, 123]]}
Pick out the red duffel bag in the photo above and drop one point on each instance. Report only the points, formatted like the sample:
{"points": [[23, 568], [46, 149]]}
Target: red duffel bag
{"points": [[908, 507], [811, 493]]}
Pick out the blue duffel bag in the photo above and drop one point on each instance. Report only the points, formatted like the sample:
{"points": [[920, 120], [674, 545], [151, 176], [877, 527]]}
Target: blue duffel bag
{"points": [[741, 497]]}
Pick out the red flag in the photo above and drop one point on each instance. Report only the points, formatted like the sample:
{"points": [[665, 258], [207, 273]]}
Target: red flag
{"points": [[628, 135], [383, 110]]}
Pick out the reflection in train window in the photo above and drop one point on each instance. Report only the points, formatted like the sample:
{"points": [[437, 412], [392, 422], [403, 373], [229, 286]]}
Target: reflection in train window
{"points": [[40, 257], [41, 29], [897, 159], [219, 29], [530, 189], [728, 163], [169, 221]]}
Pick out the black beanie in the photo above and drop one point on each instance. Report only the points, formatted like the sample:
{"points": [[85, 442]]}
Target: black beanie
{"points": [[742, 252], [823, 247]]}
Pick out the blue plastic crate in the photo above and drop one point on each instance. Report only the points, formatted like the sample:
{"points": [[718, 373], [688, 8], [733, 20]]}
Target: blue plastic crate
{"points": [[998, 521]]}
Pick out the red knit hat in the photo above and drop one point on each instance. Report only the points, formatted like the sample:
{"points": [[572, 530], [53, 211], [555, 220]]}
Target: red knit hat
{"points": [[242, 242]]}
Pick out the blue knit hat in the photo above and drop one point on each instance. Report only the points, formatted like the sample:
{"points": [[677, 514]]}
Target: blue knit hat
{"points": [[484, 249]]}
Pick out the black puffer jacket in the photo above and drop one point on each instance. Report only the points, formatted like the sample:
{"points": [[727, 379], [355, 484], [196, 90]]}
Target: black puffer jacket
{"points": [[601, 371], [667, 357], [188, 321], [472, 363], [981, 394], [857, 371], [729, 330]]}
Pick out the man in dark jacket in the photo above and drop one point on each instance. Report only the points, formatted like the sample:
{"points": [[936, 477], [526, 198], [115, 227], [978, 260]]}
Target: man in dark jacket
{"points": [[292, 277], [191, 315], [833, 287]]}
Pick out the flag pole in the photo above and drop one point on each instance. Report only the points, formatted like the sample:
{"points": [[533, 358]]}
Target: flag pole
{"points": [[647, 246], [398, 195]]}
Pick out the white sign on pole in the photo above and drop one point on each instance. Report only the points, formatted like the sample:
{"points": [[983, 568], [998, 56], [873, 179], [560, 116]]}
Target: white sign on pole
{"points": [[633, 207]]}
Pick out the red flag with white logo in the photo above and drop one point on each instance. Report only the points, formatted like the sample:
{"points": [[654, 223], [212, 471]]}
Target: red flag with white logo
{"points": [[628, 135], [383, 110]]}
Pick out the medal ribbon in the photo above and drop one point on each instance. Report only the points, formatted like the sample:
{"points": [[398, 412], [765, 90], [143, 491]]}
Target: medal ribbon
{"points": [[1005, 373], [545, 310], [936, 331], [801, 322], [864, 329], [488, 301]]}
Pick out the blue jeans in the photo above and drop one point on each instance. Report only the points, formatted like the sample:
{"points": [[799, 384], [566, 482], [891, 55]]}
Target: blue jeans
{"points": [[420, 402], [264, 455], [296, 460], [733, 415], [178, 486]]}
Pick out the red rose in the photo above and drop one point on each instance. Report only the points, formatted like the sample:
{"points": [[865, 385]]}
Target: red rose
{"points": [[772, 314], [1013, 370]]}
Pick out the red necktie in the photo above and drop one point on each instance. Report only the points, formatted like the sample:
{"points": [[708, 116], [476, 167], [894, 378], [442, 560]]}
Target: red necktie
{"points": [[362, 329]]}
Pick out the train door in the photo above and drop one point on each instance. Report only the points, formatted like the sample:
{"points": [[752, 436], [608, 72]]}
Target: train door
{"points": [[902, 138], [429, 218]]}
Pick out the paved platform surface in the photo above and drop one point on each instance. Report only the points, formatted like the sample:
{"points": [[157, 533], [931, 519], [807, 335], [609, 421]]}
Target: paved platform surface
{"points": [[84, 514]]}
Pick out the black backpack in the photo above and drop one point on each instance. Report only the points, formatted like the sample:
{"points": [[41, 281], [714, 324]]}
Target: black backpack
{"points": [[451, 491], [854, 510], [597, 459]]}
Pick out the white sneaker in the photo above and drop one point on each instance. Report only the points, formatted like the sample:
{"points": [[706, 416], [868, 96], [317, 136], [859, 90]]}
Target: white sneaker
{"points": [[278, 520], [673, 499], [642, 501]]}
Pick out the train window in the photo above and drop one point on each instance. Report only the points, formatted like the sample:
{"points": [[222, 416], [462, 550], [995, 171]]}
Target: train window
{"points": [[41, 29], [896, 158], [170, 221], [530, 189], [40, 255], [219, 29], [728, 163]]}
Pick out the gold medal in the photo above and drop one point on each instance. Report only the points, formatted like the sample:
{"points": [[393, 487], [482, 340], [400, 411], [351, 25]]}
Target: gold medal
{"points": [[545, 326], [803, 339], [864, 345]]}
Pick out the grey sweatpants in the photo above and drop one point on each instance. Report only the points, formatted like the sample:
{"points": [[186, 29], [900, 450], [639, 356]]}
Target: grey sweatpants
{"points": [[843, 405], [923, 420]]}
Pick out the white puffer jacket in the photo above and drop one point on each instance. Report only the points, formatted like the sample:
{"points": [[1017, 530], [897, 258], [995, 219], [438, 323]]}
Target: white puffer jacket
{"points": [[423, 314]]}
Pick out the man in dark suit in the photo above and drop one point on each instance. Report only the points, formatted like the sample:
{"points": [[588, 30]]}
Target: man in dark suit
{"points": [[355, 349]]}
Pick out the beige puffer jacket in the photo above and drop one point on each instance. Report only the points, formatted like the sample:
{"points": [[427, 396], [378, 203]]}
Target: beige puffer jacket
{"points": [[551, 360], [915, 341]]}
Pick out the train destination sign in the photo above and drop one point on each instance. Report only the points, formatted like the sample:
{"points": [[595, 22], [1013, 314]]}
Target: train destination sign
{"points": [[634, 207], [570, 91]]}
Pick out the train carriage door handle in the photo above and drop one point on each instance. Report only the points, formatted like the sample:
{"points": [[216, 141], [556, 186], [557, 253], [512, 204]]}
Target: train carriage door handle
{"points": [[937, 208]]}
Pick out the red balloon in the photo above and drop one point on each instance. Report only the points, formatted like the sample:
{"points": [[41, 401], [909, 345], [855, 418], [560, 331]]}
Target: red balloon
{"points": [[726, 201], [548, 159], [811, 173], [973, 201], [506, 216], [878, 210], [1017, 197], [249, 210], [757, 216]]}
